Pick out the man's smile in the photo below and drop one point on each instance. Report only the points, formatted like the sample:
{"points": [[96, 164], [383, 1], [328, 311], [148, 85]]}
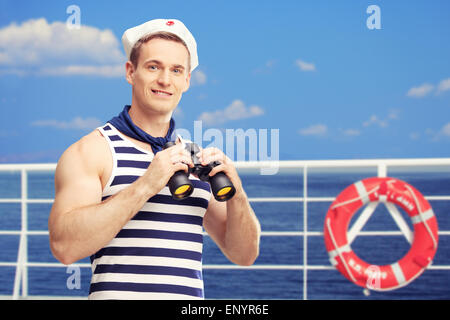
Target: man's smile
{"points": [[161, 93]]}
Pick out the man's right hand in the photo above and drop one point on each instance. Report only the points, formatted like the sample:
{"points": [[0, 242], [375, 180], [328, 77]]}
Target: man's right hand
{"points": [[163, 166]]}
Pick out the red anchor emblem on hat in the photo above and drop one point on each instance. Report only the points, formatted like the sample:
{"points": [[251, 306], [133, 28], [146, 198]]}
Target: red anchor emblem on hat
{"points": [[170, 23]]}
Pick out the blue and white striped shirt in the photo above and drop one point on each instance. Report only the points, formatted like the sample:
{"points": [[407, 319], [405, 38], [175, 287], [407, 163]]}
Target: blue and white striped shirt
{"points": [[158, 253]]}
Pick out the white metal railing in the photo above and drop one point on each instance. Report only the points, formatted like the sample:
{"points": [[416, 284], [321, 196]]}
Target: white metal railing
{"points": [[20, 289]]}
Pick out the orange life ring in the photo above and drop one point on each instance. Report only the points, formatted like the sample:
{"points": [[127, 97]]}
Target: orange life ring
{"points": [[386, 277]]}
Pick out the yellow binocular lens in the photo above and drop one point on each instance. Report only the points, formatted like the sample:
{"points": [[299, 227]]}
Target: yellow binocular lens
{"points": [[182, 189], [223, 191]]}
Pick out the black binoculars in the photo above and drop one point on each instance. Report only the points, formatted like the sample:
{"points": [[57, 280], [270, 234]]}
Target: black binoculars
{"points": [[181, 187]]}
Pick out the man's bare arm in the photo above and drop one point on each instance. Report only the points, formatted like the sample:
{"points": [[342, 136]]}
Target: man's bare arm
{"points": [[232, 225], [234, 228], [80, 223]]}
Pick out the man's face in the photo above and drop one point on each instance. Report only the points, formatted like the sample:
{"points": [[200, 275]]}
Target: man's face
{"points": [[161, 75]]}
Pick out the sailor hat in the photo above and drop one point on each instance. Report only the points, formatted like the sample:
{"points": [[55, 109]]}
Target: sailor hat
{"points": [[132, 35]]}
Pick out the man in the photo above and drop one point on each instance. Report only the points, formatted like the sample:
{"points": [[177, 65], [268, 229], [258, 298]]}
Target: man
{"points": [[111, 199]]}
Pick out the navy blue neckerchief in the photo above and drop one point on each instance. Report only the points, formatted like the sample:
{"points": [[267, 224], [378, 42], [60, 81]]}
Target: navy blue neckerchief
{"points": [[124, 124]]}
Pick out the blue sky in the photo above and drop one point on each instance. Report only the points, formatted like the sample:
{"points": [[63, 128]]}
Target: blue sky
{"points": [[312, 69]]}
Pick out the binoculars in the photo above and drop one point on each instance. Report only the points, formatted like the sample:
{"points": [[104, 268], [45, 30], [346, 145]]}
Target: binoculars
{"points": [[181, 187]]}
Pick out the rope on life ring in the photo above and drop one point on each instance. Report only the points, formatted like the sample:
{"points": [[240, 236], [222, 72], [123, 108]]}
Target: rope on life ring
{"points": [[410, 266]]}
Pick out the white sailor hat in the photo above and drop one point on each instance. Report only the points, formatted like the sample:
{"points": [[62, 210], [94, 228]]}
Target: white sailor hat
{"points": [[132, 35]]}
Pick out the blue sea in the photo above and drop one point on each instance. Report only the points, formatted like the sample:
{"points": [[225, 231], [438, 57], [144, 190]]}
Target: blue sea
{"points": [[274, 250]]}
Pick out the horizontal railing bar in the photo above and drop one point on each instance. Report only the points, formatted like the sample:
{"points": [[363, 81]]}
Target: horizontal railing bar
{"points": [[253, 267], [210, 266], [18, 200], [276, 199], [279, 164], [283, 233], [39, 297], [8, 264], [256, 199], [57, 264], [292, 164], [38, 233], [291, 267], [18, 232], [28, 166], [437, 197], [323, 199], [439, 267], [263, 233], [45, 264], [294, 199]]}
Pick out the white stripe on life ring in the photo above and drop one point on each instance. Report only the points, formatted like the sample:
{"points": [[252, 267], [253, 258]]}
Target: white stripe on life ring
{"points": [[334, 253], [362, 191], [423, 216], [399, 276]]}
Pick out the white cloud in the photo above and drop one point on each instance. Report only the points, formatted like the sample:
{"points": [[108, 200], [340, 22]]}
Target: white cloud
{"points": [[444, 85], [235, 111], [420, 91], [103, 71], [314, 130], [393, 114], [30, 157], [305, 66], [414, 135], [374, 120], [322, 130], [198, 77], [426, 88], [38, 47], [432, 134], [445, 131], [429, 132], [351, 132], [270, 63], [77, 123], [268, 66]]}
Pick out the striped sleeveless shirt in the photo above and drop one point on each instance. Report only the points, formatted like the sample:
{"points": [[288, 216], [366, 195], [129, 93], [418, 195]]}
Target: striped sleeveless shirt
{"points": [[158, 253]]}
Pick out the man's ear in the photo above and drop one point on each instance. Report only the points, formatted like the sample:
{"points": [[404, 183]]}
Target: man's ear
{"points": [[129, 75], [188, 82]]}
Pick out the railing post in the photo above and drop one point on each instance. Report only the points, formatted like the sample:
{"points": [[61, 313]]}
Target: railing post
{"points": [[18, 276], [382, 170], [305, 232], [24, 231], [21, 265]]}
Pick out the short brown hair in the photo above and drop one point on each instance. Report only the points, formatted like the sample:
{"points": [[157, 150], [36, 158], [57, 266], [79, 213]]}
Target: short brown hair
{"points": [[136, 50]]}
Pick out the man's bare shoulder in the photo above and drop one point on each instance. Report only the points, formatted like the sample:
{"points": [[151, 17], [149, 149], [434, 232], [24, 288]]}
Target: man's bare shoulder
{"points": [[90, 153]]}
